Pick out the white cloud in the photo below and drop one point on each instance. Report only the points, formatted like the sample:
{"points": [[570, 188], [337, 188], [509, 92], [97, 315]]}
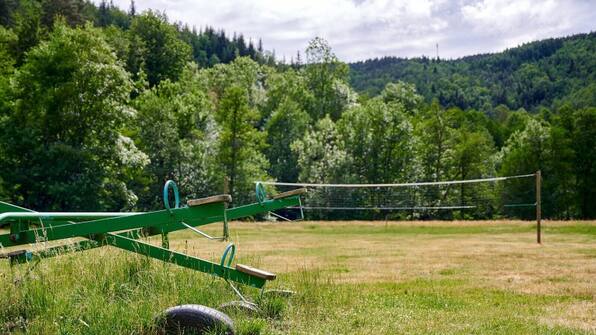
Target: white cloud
{"points": [[359, 29], [512, 22]]}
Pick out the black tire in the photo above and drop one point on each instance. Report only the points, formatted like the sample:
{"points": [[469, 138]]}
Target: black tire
{"points": [[196, 319]]}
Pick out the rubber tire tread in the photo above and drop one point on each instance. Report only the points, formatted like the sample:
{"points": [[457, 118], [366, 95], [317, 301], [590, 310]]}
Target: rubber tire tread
{"points": [[196, 319]]}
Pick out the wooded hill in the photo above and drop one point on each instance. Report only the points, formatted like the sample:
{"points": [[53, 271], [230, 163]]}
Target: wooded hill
{"points": [[546, 73]]}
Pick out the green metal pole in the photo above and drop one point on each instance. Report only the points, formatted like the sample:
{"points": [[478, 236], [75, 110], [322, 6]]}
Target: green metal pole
{"points": [[183, 260], [166, 219]]}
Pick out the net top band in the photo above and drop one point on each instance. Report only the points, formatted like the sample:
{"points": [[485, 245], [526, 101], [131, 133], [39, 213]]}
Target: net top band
{"points": [[451, 182]]}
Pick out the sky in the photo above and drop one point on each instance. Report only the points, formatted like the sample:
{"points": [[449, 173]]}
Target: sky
{"points": [[362, 29]]}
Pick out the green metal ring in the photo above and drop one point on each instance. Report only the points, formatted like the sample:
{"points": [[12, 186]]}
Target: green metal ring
{"points": [[260, 192], [166, 200], [232, 247]]}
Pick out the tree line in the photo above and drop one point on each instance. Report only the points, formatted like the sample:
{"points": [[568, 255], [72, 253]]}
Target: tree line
{"points": [[95, 117]]}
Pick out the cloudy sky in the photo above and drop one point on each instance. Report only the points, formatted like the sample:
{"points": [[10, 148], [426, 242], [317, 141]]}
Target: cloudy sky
{"points": [[360, 29]]}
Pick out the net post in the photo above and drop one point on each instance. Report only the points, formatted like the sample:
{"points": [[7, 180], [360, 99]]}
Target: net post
{"points": [[538, 207]]}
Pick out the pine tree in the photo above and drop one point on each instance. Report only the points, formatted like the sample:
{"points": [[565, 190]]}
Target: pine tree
{"points": [[132, 11]]}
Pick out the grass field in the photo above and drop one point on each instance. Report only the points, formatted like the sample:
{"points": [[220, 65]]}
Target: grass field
{"points": [[350, 278]]}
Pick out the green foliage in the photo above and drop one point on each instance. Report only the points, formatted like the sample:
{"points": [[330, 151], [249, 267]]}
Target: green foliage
{"points": [[545, 73], [27, 27], [7, 61], [378, 139], [287, 124], [288, 99], [69, 10], [583, 138], [61, 138], [242, 73], [526, 150], [163, 54], [240, 144], [434, 144], [326, 77], [404, 94], [321, 154], [174, 126]]}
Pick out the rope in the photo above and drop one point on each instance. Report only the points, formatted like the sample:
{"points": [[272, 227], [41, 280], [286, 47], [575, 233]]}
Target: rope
{"points": [[387, 208], [451, 182]]}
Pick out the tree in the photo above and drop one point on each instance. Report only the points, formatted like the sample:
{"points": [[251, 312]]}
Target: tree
{"points": [[404, 94], [583, 139], [559, 170], [286, 85], [62, 143], [69, 10], [378, 138], [287, 124], [7, 40], [162, 54], [7, 8], [132, 11], [326, 77], [175, 127], [524, 152], [471, 158], [104, 14], [322, 158], [240, 144], [434, 144], [321, 155], [27, 28], [243, 73], [7, 61]]}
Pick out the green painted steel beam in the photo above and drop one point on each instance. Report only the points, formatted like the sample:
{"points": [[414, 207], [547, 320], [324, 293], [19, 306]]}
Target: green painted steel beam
{"points": [[197, 215], [241, 212], [61, 216], [24, 256], [266, 206], [183, 260]]}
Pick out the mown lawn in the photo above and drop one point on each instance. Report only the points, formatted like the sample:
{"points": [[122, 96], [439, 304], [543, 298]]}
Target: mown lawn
{"points": [[349, 278]]}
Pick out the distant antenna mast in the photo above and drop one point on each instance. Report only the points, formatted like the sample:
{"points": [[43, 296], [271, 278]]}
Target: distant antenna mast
{"points": [[437, 51]]}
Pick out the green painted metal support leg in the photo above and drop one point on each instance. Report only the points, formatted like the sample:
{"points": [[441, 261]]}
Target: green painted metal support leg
{"points": [[24, 256], [183, 260]]}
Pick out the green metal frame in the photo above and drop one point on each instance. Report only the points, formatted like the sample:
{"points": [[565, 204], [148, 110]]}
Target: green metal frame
{"points": [[100, 229]]}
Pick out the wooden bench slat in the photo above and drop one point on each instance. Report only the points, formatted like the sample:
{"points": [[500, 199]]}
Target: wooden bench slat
{"points": [[209, 200], [255, 272], [297, 191]]}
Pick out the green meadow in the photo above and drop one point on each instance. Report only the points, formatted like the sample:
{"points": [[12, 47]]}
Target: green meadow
{"points": [[360, 277]]}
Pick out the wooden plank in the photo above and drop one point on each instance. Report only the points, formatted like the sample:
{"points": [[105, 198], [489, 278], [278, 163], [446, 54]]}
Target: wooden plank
{"points": [[209, 200], [249, 270], [297, 191]]}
